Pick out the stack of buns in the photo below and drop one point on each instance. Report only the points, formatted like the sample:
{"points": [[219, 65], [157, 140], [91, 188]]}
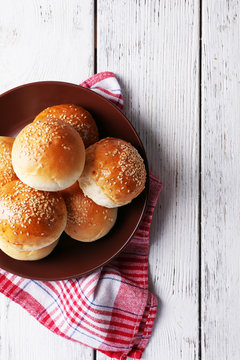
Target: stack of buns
{"points": [[57, 176]]}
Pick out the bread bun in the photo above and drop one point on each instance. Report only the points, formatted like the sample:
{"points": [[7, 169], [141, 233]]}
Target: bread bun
{"points": [[27, 255], [114, 173], [30, 219], [78, 117], [48, 155], [86, 221], [7, 173]]}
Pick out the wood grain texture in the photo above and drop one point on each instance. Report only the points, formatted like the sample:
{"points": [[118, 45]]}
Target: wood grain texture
{"points": [[45, 40], [220, 180], [41, 40], [153, 47]]}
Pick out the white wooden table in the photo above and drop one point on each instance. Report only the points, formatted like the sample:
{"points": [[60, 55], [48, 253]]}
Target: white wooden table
{"points": [[183, 96]]}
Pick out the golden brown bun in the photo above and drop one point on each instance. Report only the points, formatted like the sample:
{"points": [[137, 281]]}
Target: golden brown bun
{"points": [[7, 173], [30, 219], [114, 173], [27, 255], [48, 155], [78, 117], [86, 221]]}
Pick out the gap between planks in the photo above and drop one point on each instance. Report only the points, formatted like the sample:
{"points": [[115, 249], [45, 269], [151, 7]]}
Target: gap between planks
{"points": [[200, 188]]}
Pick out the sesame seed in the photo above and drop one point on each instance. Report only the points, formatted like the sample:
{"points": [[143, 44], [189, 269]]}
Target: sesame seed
{"points": [[25, 204]]}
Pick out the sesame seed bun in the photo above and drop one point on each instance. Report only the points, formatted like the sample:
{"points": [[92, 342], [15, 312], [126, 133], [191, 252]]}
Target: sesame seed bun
{"points": [[30, 219], [7, 173], [114, 173], [27, 255], [78, 117], [48, 155], [86, 221]]}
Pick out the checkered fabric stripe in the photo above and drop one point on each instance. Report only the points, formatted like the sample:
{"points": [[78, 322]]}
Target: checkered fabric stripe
{"points": [[106, 84], [110, 310]]}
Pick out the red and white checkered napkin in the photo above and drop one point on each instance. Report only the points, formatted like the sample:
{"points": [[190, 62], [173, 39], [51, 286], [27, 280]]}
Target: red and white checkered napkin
{"points": [[111, 309]]}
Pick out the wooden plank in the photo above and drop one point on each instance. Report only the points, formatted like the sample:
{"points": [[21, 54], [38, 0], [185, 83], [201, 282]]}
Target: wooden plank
{"points": [[45, 40], [153, 47], [220, 180], [41, 40]]}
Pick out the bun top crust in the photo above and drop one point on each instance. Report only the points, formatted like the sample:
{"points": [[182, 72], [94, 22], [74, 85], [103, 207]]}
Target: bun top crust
{"points": [[29, 218], [77, 116], [117, 168], [48, 155], [7, 173], [86, 221]]}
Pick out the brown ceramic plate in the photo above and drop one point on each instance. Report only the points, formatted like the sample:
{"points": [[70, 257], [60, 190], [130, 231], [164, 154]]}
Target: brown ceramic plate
{"points": [[71, 258]]}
